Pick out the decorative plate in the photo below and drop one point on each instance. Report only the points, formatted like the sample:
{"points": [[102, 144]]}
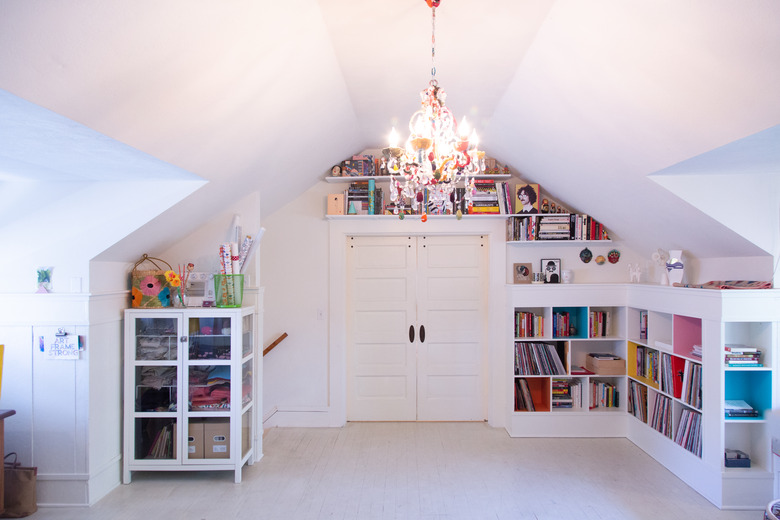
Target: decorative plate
{"points": [[585, 255], [613, 256], [600, 260]]}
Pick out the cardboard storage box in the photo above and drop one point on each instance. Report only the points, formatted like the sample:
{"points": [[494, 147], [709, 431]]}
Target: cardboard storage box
{"points": [[246, 441], [195, 439], [217, 435], [605, 364]]}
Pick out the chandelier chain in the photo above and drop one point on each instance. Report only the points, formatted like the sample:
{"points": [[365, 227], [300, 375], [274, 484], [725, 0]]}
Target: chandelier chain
{"points": [[433, 43]]}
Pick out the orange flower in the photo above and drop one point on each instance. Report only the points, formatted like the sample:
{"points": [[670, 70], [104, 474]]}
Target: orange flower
{"points": [[173, 278]]}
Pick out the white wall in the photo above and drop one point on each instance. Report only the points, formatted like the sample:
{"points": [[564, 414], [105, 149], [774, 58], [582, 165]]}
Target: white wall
{"points": [[294, 274], [202, 246], [299, 373]]}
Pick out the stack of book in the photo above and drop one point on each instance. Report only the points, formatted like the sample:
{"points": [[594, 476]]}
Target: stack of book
{"points": [[562, 390], [599, 323], [603, 395], [363, 198], [561, 325], [528, 325], [584, 227], [484, 200], [741, 356], [737, 408], [164, 444], [553, 227], [647, 363]]}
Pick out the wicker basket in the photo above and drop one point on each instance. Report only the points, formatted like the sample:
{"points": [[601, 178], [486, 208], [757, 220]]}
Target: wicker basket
{"points": [[150, 288]]}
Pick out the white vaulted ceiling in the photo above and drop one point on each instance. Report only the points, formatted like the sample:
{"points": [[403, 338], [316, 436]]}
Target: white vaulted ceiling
{"points": [[589, 99]]}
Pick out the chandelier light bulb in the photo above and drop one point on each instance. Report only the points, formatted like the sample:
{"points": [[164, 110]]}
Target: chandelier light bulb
{"points": [[463, 129], [393, 139]]}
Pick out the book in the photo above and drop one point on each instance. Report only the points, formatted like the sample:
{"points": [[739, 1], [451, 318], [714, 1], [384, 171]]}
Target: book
{"points": [[739, 408], [579, 371]]}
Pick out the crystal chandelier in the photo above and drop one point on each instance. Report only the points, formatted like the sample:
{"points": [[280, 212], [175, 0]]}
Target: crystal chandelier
{"points": [[436, 167]]}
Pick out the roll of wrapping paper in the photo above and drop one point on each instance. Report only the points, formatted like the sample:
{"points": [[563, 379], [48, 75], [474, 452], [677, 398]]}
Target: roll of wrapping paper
{"points": [[245, 246], [234, 269], [227, 268], [252, 247]]}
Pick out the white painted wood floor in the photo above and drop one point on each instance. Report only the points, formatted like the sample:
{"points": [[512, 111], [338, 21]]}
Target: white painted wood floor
{"points": [[441, 471]]}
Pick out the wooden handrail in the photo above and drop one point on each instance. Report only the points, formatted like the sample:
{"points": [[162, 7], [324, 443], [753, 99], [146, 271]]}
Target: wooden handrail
{"points": [[276, 342]]}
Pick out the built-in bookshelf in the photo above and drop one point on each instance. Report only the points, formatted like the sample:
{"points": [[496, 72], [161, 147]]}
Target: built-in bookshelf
{"points": [[665, 374], [368, 196], [747, 360], [689, 353], [551, 347], [555, 228]]}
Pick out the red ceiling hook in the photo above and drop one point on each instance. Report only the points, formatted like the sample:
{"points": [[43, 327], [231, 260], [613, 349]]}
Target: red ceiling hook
{"points": [[433, 3]]}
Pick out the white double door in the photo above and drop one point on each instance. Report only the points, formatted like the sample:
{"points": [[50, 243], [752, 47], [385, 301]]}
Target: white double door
{"points": [[416, 328]]}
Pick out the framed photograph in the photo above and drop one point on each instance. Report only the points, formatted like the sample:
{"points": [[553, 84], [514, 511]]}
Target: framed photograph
{"points": [[526, 199], [522, 273], [551, 267]]}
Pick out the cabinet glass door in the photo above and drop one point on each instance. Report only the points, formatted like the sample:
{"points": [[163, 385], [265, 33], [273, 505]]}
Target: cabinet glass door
{"points": [[155, 383], [209, 364]]}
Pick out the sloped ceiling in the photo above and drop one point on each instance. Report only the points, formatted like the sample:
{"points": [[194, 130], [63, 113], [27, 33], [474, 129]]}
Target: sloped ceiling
{"points": [[586, 98]]}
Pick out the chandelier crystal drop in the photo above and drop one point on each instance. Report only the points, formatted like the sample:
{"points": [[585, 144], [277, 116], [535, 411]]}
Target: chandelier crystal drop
{"points": [[435, 168]]}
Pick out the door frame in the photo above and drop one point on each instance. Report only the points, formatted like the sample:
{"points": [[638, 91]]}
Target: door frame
{"points": [[498, 356]]}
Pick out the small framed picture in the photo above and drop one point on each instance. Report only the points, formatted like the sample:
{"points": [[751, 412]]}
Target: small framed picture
{"points": [[522, 273], [551, 267], [527, 198]]}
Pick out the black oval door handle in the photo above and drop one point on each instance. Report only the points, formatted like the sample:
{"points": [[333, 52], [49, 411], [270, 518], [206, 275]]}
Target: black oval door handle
{"points": [[411, 333], [422, 333]]}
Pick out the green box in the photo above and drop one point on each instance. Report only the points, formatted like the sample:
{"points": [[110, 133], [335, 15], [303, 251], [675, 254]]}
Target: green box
{"points": [[228, 290]]}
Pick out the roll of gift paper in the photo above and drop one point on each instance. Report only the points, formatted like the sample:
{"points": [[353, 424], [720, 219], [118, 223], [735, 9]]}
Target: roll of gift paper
{"points": [[252, 248], [234, 258], [226, 268], [242, 254]]}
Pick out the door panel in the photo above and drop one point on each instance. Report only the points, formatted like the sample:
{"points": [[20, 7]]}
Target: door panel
{"points": [[451, 304], [400, 282], [381, 365]]}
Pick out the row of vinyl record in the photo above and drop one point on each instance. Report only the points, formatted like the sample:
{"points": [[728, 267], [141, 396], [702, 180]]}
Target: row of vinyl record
{"points": [[688, 433], [677, 376], [637, 400], [661, 414], [538, 359]]}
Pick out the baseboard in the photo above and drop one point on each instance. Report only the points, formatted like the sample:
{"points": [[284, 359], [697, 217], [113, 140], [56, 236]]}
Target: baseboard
{"points": [[297, 418]]}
